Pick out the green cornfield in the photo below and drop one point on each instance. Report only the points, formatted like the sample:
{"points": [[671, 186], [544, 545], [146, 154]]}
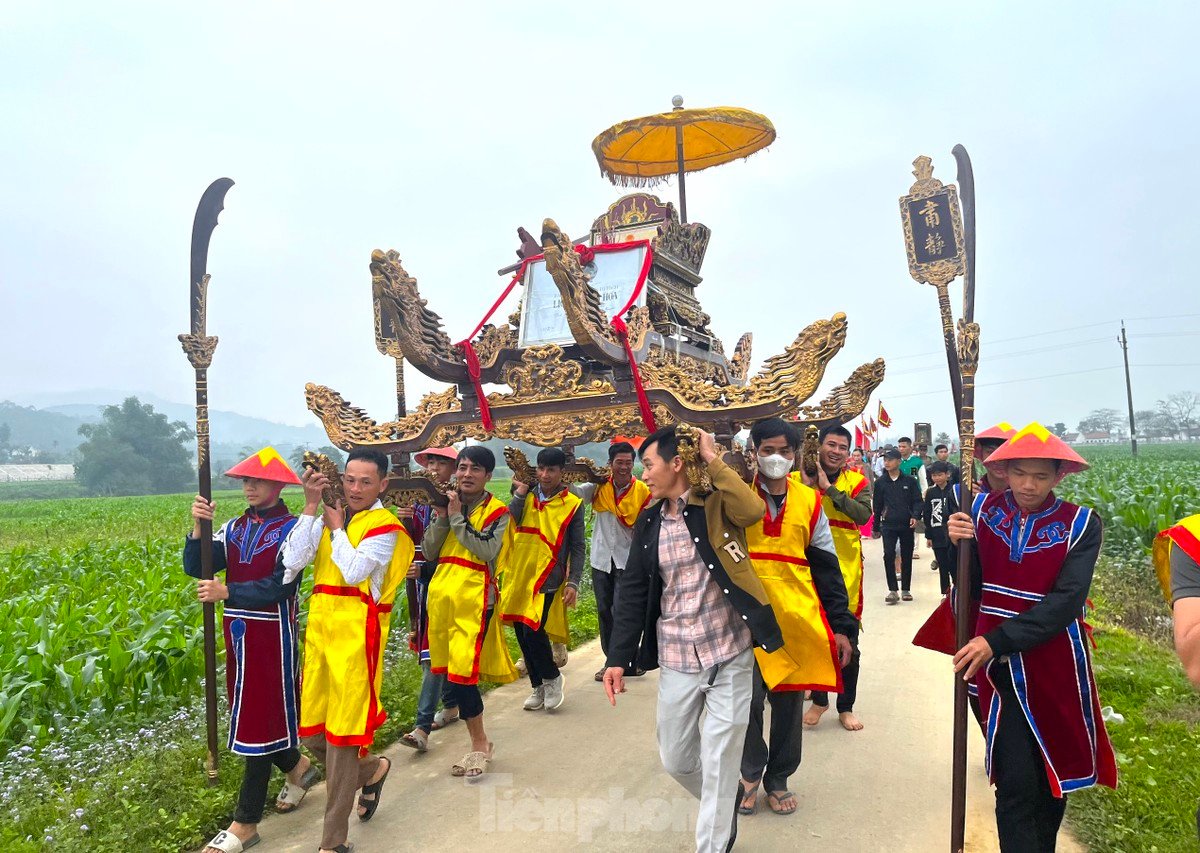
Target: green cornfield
{"points": [[1137, 498]]}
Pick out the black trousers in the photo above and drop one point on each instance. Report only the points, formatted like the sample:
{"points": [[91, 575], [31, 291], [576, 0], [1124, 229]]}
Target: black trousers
{"points": [[604, 585], [467, 696], [902, 536], [845, 700], [1028, 815], [253, 797], [947, 560], [774, 765], [535, 646]]}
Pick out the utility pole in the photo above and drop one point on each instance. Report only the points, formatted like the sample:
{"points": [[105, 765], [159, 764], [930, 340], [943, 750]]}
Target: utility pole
{"points": [[1124, 342]]}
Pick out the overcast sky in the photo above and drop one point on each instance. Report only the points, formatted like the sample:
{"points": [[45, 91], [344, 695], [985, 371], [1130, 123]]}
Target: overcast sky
{"points": [[438, 130]]}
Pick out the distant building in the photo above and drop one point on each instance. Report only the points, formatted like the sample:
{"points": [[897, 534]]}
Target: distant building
{"points": [[1098, 437], [34, 473], [1070, 437]]}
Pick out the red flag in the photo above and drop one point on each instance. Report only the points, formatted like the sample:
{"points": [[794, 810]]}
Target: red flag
{"points": [[858, 437], [874, 429], [884, 419]]}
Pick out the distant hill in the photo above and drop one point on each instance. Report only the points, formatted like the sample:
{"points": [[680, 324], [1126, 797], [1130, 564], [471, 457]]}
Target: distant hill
{"points": [[44, 430], [55, 427]]}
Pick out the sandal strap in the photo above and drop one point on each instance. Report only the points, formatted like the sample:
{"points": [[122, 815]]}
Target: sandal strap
{"points": [[226, 842]]}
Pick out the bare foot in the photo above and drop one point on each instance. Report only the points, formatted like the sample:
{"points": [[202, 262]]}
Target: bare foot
{"points": [[850, 722], [813, 715]]}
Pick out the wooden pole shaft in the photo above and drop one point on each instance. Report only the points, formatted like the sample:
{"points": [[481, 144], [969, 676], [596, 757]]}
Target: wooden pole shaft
{"points": [[951, 348], [206, 572]]}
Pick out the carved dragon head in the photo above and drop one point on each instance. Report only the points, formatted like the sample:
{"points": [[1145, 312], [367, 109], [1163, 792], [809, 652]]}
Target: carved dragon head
{"points": [[402, 315]]}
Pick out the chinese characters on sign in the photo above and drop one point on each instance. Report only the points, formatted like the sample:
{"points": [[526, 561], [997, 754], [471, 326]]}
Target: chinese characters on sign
{"points": [[932, 228]]}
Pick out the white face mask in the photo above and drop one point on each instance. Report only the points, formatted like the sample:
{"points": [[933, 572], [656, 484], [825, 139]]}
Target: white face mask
{"points": [[774, 466]]}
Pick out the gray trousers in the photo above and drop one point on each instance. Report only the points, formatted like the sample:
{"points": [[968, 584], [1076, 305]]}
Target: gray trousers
{"points": [[702, 719], [345, 773]]}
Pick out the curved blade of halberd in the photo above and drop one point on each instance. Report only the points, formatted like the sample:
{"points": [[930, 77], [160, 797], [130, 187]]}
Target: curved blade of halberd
{"points": [[210, 207]]}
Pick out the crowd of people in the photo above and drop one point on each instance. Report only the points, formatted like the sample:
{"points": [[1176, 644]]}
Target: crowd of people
{"points": [[737, 593]]}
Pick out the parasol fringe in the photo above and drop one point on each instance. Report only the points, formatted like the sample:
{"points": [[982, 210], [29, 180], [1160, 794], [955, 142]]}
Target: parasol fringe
{"points": [[650, 181]]}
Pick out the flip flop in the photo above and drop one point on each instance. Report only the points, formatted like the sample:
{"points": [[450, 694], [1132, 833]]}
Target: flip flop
{"points": [[780, 798], [291, 796], [754, 808], [375, 788]]}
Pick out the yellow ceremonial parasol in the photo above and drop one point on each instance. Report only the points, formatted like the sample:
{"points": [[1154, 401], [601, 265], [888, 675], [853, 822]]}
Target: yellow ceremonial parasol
{"points": [[643, 151]]}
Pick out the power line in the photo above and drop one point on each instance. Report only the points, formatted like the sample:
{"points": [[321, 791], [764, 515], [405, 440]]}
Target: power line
{"points": [[989, 341], [1008, 382], [1036, 350]]}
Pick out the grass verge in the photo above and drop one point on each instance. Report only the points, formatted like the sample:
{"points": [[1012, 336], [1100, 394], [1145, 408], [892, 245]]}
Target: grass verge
{"points": [[1158, 752]]}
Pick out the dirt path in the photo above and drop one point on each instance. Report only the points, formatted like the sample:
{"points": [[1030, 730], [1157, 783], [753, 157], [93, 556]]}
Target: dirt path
{"points": [[589, 775]]}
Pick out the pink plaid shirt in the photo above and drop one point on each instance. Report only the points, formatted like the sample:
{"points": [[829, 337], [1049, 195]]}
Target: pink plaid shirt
{"points": [[699, 628]]}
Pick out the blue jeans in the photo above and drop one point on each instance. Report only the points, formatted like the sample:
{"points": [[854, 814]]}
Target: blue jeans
{"points": [[433, 688]]}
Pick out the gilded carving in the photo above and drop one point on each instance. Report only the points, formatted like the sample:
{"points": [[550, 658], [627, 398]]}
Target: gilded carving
{"points": [[739, 365], [687, 242], [199, 349], [850, 398], [968, 347], [543, 374], [322, 464], [403, 318], [810, 451]]}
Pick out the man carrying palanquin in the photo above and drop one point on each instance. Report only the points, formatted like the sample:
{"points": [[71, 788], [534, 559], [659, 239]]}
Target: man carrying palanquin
{"points": [[791, 550], [543, 551], [466, 638], [361, 554], [846, 502]]}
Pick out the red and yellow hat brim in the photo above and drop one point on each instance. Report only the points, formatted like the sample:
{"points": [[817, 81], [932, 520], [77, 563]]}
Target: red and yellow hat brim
{"points": [[1002, 431], [1036, 442], [267, 464]]}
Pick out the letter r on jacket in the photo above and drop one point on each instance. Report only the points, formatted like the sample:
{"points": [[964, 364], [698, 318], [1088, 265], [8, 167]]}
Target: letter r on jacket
{"points": [[735, 551]]}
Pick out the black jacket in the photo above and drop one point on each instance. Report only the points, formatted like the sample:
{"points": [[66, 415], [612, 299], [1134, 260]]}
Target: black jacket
{"points": [[639, 601], [897, 501], [940, 504]]}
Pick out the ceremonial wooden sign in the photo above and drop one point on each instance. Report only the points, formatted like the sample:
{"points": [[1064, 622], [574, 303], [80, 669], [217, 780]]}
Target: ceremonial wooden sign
{"points": [[933, 228]]}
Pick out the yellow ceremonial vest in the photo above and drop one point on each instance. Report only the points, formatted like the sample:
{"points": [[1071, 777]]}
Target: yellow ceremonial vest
{"points": [[345, 638], [531, 550], [631, 504], [808, 659], [461, 645], [1185, 535], [846, 537]]}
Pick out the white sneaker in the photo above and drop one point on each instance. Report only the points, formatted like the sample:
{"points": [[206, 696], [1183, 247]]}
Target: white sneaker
{"points": [[554, 693], [537, 699]]}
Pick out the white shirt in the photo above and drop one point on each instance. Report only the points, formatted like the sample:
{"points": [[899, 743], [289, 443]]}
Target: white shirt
{"points": [[610, 538], [369, 560]]}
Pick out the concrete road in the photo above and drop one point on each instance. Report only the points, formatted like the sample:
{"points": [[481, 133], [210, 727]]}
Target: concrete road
{"points": [[588, 776]]}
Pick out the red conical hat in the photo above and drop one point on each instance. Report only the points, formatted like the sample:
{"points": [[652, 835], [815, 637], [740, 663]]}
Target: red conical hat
{"points": [[267, 464], [1002, 431], [1036, 442]]}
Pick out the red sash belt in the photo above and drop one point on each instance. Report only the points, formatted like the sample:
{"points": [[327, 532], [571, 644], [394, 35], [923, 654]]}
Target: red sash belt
{"points": [[373, 637], [837, 522]]}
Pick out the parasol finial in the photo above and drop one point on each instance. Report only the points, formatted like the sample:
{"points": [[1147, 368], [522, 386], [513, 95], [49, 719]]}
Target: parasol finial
{"points": [[677, 102]]}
